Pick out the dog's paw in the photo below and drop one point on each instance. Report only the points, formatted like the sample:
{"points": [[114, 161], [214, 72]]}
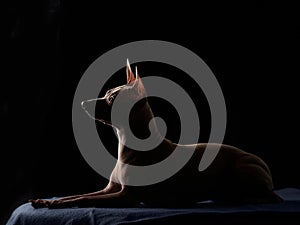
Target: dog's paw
{"points": [[39, 203], [55, 204]]}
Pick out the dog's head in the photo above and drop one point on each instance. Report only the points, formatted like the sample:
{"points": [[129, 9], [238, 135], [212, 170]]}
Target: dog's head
{"points": [[130, 92]]}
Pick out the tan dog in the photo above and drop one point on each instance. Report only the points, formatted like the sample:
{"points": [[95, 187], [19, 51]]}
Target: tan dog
{"points": [[234, 176]]}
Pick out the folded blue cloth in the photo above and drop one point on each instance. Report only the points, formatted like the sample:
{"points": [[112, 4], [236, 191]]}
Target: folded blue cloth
{"points": [[287, 212]]}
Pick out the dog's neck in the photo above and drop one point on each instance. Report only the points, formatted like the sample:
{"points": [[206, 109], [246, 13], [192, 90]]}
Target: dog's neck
{"points": [[139, 126]]}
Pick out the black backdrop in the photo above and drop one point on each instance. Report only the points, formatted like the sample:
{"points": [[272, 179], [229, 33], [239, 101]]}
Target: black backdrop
{"points": [[252, 50]]}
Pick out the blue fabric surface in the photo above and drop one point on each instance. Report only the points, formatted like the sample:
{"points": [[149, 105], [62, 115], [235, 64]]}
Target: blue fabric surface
{"points": [[287, 212]]}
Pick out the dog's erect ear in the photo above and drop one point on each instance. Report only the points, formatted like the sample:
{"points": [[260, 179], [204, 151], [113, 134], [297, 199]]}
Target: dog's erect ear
{"points": [[138, 84], [130, 75], [136, 74]]}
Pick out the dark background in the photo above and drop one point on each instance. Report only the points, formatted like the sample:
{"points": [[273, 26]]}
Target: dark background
{"points": [[252, 49]]}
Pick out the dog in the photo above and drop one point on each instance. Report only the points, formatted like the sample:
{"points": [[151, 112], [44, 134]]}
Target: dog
{"points": [[234, 176]]}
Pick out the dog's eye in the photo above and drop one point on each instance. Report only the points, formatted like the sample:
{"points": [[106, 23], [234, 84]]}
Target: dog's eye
{"points": [[110, 99]]}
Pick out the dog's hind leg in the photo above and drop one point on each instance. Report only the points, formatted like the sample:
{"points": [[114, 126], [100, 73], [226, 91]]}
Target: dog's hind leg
{"points": [[254, 181]]}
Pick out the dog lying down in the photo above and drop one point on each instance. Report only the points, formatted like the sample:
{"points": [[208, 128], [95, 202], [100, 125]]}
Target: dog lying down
{"points": [[234, 176]]}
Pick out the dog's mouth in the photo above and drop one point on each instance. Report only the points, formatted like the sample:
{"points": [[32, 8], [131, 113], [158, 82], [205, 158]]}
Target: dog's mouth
{"points": [[84, 107], [100, 120], [104, 122]]}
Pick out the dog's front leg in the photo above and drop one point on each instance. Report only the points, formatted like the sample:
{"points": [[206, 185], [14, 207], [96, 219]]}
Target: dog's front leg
{"points": [[118, 199], [112, 187]]}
